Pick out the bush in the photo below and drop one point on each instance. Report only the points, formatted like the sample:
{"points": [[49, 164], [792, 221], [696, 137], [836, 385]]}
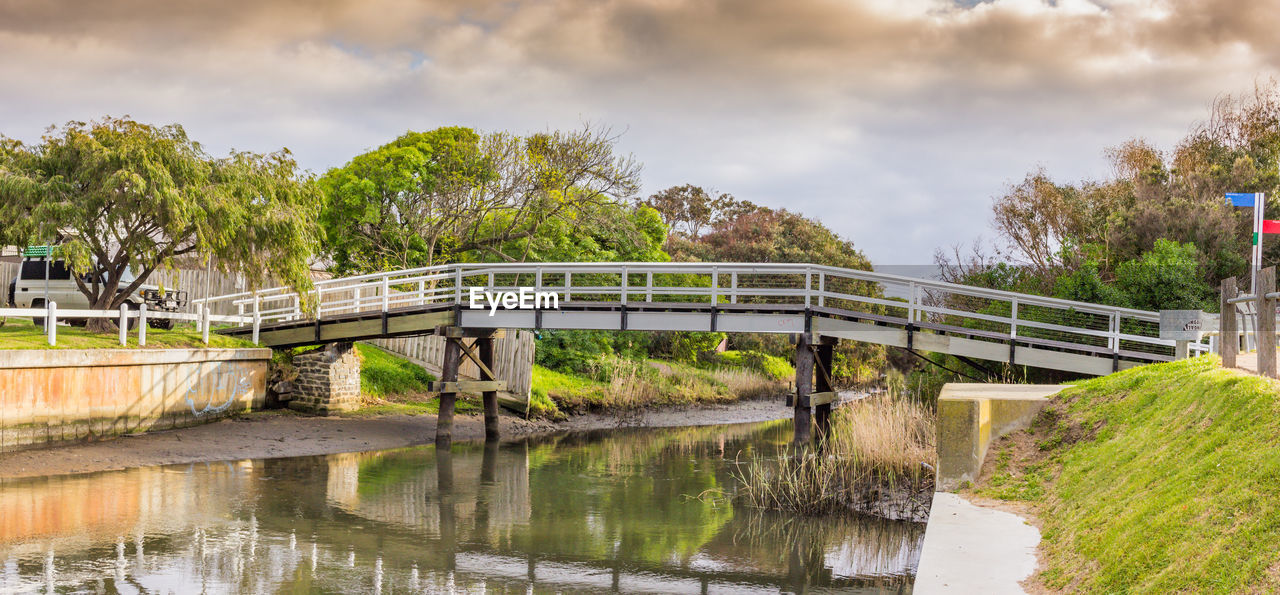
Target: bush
{"points": [[772, 366], [685, 346], [575, 352]]}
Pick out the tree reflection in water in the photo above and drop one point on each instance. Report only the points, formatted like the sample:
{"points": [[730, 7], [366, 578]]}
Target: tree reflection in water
{"points": [[614, 510]]}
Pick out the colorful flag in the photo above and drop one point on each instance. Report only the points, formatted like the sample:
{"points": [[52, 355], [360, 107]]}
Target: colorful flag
{"points": [[1270, 226], [1240, 199]]}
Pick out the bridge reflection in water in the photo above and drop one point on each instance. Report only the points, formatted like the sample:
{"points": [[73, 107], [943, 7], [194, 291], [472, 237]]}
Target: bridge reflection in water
{"points": [[630, 511]]}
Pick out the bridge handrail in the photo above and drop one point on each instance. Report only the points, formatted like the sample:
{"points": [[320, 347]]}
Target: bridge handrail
{"points": [[471, 269], [449, 283]]}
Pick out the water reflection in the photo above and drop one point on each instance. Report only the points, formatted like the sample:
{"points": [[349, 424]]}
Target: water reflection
{"points": [[630, 511]]}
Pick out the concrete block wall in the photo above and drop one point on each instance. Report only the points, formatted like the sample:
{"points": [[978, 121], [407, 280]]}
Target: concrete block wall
{"points": [[54, 396], [328, 379]]}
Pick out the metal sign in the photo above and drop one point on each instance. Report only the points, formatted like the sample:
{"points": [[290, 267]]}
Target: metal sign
{"points": [[1186, 325]]}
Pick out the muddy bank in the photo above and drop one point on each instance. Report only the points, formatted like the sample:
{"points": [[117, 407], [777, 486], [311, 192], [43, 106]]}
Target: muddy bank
{"points": [[276, 434]]}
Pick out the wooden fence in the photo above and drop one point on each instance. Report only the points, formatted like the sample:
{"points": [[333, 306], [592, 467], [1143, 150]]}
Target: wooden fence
{"points": [[1251, 318], [8, 270], [513, 353]]}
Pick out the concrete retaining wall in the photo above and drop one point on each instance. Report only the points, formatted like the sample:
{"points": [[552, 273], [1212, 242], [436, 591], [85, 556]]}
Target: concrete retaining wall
{"points": [[66, 395], [971, 416]]}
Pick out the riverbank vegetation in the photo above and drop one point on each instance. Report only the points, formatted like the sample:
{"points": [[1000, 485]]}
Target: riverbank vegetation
{"points": [[878, 460], [1159, 479], [1154, 234], [621, 384]]}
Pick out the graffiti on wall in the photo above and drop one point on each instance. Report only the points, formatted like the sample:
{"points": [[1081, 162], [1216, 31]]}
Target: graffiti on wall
{"points": [[233, 381]]}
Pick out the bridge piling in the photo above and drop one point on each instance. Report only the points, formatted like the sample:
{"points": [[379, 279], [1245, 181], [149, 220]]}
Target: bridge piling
{"points": [[825, 359], [490, 397], [448, 374], [804, 387]]}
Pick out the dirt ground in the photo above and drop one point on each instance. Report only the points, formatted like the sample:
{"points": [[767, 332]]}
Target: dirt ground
{"points": [[274, 434]]}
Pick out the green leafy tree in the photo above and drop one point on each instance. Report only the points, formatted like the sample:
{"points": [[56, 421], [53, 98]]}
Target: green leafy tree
{"points": [[402, 204], [1165, 278], [124, 195], [689, 210], [451, 194]]}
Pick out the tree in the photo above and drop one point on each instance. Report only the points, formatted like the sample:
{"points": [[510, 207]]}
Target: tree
{"points": [[1061, 230], [397, 206], [687, 210], [749, 233], [1165, 278], [433, 197], [127, 196]]}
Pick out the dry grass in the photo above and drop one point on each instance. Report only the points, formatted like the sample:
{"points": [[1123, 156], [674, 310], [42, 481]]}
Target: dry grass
{"points": [[878, 460], [746, 383], [621, 384]]}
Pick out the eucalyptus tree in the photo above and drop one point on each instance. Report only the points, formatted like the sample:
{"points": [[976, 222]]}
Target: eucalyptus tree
{"points": [[437, 196], [121, 195]]}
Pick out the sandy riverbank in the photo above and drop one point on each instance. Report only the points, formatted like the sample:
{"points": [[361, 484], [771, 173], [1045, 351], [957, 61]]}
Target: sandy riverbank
{"points": [[274, 434]]}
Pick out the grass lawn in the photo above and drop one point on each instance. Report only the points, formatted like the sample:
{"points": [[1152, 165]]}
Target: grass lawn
{"points": [[1159, 479], [19, 333], [390, 384]]}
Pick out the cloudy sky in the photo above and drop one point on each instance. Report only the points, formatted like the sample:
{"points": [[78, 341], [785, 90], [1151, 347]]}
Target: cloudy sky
{"points": [[893, 121]]}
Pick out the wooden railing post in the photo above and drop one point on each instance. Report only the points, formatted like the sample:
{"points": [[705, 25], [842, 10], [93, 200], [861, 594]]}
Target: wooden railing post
{"points": [[257, 317], [204, 325], [124, 324], [142, 324], [51, 322], [1266, 322], [1228, 331]]}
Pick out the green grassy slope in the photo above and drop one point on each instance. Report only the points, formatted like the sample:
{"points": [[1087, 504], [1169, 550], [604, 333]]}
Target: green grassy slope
{"points": [[1160, 479]]}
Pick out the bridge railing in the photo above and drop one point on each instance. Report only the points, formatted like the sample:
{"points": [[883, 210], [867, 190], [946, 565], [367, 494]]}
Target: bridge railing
{"points": [[995, 314]]}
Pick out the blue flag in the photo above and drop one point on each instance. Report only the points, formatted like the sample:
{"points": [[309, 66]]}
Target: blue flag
{"points": [[1240, 199]]}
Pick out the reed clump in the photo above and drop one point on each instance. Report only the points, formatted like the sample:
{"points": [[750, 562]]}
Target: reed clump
{"points": [[878, 459]]}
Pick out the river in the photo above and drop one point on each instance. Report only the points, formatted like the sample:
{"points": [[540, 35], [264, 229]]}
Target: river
{"points": [[630, 510]]}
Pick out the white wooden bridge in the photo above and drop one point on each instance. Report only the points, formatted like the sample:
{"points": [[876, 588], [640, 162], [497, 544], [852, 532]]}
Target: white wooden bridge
{"points": [[825, 301], [819, 305]]}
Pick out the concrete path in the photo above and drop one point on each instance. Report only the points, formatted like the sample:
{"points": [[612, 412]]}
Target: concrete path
{"points": [[973, 550], [1248, 361]]}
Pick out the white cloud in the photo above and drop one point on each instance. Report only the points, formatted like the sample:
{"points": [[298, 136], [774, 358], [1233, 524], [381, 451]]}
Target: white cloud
{"points": [[893, 122]]}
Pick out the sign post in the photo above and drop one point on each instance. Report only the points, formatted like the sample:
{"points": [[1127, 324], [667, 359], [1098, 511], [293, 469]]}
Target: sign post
{"points": [[1185, 327], [1256, 200]]}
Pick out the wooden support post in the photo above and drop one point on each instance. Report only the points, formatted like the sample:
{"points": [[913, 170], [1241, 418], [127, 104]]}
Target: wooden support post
{"points": [[826, 349], [1228, 331], [804, 386], [448, 373], [1266, 323], [490, 397]]}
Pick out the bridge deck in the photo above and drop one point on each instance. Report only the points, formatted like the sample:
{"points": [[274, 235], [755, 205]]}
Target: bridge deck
{"points": [[730, 297]]}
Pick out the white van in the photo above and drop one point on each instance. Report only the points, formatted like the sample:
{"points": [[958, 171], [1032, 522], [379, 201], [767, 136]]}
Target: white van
{"points": [[37, 284]]}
